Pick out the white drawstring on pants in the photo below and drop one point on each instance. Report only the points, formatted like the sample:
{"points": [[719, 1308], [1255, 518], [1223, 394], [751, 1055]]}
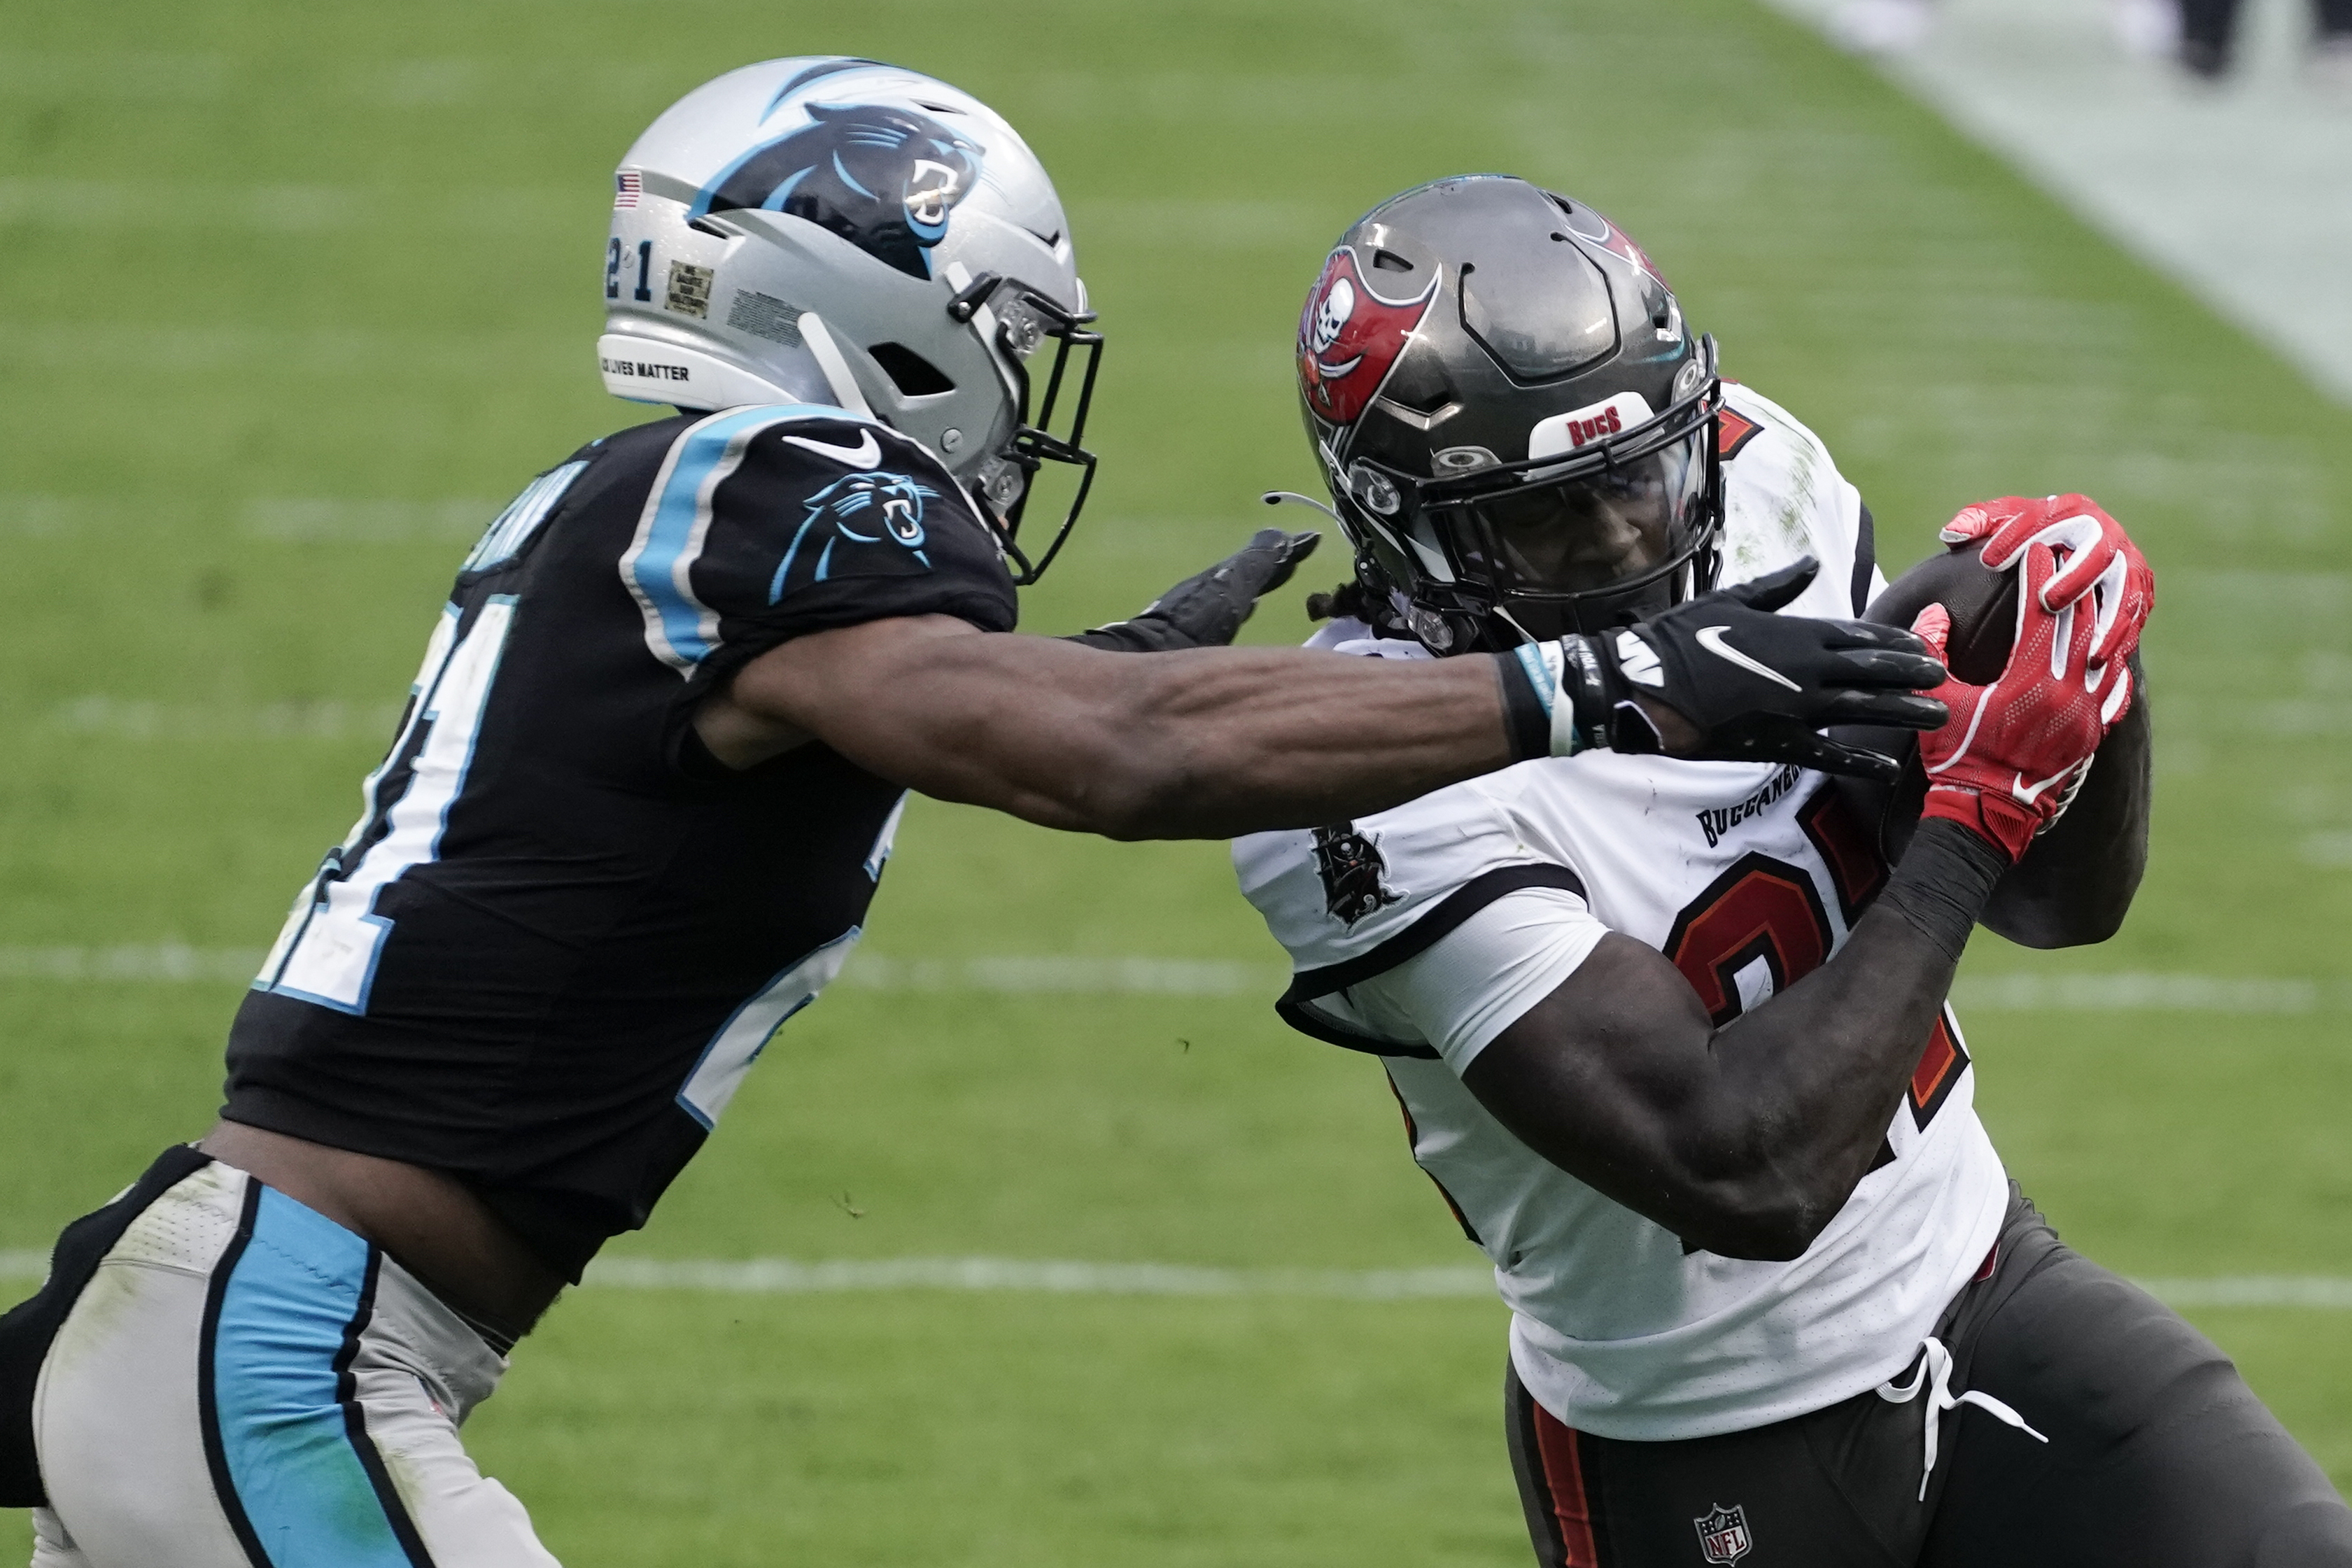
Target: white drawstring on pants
{"points": [[1935, 1379]]}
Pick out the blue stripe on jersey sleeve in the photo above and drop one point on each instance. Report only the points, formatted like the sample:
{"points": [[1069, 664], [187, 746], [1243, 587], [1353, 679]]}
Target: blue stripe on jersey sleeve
{"points": [[285, 1317], [680, 629]]}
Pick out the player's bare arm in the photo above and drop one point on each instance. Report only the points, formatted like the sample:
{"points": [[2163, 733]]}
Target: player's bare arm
{"points": [[1209, 742], [2076, 885], [1198, 743], [1746, 1140]]}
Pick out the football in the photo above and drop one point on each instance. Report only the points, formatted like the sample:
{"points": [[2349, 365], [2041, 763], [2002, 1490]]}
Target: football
{"points": [[1983, 607]]}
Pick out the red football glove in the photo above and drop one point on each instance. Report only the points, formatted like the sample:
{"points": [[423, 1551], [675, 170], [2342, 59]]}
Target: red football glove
{"points": [[2101, 563], [2010, 757]]}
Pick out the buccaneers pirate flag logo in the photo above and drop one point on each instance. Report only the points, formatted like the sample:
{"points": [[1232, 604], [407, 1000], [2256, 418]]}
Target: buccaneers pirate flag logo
{"points": [[1348, 338], [1722, 1533], [1352, 869]]}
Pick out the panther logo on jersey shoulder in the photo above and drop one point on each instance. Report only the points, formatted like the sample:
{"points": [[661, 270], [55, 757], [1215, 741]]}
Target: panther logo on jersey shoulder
{"points": [[1354, 874], [884, 179], [859, 516]]}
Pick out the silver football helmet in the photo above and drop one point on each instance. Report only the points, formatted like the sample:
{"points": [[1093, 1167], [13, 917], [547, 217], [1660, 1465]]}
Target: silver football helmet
{"points": [[845, 232]]}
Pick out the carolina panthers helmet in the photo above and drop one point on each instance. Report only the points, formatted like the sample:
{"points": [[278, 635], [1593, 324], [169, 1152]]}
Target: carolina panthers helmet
{"points": [[842, 232], [1517, 426]]}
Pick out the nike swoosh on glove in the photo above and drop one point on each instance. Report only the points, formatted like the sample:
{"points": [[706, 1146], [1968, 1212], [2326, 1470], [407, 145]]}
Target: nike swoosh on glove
{"points": [[2099, 562], [1757, 685], [2013, 752], [1208, 608]]}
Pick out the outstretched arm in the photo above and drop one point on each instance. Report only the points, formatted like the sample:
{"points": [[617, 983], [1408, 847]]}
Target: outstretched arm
{"points": [[1207, 743]]}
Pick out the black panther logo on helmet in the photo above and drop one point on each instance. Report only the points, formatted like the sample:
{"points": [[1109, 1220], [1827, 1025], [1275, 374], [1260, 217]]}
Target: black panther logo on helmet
{"points": [[884, 179]]}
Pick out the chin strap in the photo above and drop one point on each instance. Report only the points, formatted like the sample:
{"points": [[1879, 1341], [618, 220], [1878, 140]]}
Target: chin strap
{"points": [[1934, 1379]]}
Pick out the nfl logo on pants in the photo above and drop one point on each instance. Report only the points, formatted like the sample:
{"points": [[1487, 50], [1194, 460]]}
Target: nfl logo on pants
{"points": [[1723, 1534]]}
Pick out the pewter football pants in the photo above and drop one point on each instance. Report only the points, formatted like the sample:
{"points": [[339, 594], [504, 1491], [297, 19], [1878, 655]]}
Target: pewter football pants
{"points": [[245, 1384], [2156, 1454]]}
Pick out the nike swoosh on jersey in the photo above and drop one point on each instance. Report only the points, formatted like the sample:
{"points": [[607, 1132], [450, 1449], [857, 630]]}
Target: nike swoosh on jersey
{"points": [[863, 455], [1711, 639]]}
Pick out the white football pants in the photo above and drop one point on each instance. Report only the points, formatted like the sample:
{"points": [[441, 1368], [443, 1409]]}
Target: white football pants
{"points": [[245, 1384]]}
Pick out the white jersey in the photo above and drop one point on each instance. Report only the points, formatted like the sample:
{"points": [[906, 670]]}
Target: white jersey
{"points": [[1421, 933]]}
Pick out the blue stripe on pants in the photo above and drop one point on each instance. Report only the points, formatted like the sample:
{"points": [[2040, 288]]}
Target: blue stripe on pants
{"points": [[286, 1313]]}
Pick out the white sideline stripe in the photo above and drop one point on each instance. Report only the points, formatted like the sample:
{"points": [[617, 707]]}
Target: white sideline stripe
{"points": [[2044, 84], [794, 1277], [2126, 992]]}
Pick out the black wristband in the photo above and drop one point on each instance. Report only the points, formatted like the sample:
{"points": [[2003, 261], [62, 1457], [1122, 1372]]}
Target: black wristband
{"points": [[1947, 878], [1526, 721]]}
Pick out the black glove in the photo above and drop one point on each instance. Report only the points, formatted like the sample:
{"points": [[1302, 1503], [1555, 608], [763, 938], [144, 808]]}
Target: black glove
{"points": [[1208, 608], [1757, 686]]}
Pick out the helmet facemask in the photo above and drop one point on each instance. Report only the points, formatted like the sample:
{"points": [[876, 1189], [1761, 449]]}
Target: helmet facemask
{"points": [[1022, 319], [1561, 543]]}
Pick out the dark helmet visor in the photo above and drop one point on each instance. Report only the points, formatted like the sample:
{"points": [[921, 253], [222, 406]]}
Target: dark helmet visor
{"points": [[1595, 527]]}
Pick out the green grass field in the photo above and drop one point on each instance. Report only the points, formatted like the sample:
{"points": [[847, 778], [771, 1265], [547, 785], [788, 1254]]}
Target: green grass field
{"points": [[296, 295]]}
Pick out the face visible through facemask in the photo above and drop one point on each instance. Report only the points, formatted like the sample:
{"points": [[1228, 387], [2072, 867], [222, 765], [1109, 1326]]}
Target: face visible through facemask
{"points": [[1572, 536]]}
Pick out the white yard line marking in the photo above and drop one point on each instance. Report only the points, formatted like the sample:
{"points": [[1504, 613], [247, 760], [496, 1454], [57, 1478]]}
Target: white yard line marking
{"points": [[1144, 977], [841, 1275], [322, 719], [1071, 976], [2254, 1291], [2142, 993], [790, 1277], [342, 518], [167, 962]]}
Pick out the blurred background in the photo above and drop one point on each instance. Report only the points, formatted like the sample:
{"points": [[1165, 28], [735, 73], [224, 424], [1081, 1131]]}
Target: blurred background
{"points": [[298, 295]]}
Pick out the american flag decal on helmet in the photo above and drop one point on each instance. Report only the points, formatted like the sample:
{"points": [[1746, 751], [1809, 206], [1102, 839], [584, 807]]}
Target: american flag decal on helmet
{"points": [[628, 186]]}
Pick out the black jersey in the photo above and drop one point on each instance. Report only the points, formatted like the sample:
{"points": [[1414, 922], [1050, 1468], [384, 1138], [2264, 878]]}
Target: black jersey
{"points": [[560, 933]]}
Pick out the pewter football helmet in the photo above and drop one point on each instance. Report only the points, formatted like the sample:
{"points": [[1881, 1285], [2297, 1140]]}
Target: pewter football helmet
{"points": [[841, 231], [1517, 427]]}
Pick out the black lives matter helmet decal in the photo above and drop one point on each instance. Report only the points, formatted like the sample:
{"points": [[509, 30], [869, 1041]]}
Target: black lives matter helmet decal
{"points": [[885, 179]]}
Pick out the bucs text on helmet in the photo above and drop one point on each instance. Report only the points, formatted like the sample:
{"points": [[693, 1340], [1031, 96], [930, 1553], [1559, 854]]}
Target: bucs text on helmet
{"points": [[1517, 427], [841, 231]]}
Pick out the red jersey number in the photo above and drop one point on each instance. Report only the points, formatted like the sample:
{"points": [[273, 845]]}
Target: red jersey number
{"points": [[1759, 929]]}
